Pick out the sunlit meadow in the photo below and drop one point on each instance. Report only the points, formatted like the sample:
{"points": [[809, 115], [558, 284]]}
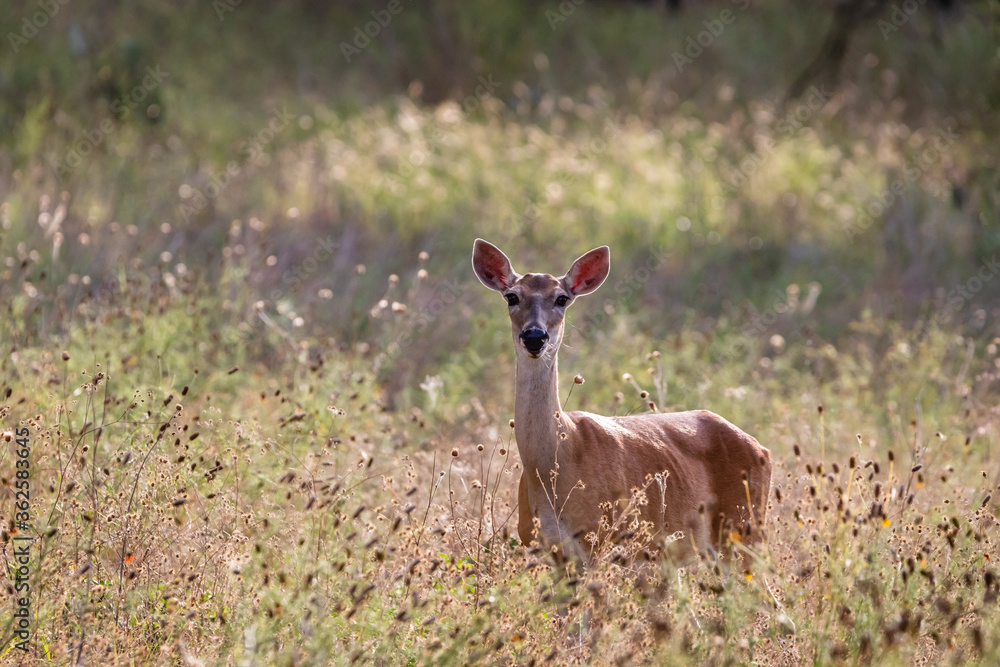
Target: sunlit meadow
{"points": [[269, 405]]}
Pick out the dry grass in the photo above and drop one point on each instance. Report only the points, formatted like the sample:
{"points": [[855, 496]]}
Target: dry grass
{"points": [[276, 511], [249, 448]]}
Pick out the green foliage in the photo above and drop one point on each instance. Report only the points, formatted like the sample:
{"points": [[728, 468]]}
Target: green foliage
{"points": [[244, 391]]}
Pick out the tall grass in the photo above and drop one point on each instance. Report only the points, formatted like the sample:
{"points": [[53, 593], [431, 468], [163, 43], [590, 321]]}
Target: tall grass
{"points": [[270, 418], [212, 502]]}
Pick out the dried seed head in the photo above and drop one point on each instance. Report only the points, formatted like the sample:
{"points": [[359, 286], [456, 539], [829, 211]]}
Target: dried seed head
{"points": [[65, 355], [512, 423], [627, 377], [479, 448], [454, 453], [643, 394], [819, 408], [423, 256], [578, 379], [393, 279]]}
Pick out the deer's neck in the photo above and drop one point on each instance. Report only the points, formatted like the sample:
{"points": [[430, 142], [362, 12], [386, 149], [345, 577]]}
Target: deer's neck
{"points": [[536, 406]]}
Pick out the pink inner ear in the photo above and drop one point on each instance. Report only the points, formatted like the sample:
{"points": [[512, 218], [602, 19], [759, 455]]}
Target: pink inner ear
{"points": [[498, 273], [493, 268], [586, 271]]}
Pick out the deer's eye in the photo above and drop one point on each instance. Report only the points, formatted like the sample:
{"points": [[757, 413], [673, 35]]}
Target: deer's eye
{"points": [[512, 299], [562, 300]]}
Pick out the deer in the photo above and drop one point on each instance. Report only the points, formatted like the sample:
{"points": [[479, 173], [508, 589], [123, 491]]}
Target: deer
{"points": [[701, 476]]}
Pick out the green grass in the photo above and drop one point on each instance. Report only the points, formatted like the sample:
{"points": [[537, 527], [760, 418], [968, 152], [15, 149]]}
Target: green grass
{"points": [[212, 499], [263, 469]]}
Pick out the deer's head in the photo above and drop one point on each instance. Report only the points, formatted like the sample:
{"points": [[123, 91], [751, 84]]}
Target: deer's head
{"points": [[537, 302]]}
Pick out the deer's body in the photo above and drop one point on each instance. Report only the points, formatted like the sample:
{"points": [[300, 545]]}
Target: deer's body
{"points": [[577, 463]]}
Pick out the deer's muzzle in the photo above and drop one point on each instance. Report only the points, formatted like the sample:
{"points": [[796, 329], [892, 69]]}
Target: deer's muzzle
{"points": [[534, 339]]}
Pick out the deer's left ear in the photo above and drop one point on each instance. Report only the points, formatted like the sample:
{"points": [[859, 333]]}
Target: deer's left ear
{"points": [[588, 272], [492, 266]]}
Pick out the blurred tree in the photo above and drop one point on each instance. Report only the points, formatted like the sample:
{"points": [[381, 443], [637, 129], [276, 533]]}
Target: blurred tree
{"points": [[849, 16]]}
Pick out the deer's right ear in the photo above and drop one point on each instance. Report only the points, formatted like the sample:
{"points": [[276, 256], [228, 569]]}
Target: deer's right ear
{"points": [[589, 271], [492, 266]]}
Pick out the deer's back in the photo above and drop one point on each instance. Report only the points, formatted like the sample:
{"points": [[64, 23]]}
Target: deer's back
{"points": [[705, 456]]}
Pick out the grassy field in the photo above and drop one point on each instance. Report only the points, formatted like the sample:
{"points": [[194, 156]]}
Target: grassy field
{"points": [[267, 402]]}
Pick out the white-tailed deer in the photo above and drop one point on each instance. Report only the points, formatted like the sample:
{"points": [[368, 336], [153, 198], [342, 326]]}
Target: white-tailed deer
{"points": [[578, 465]]}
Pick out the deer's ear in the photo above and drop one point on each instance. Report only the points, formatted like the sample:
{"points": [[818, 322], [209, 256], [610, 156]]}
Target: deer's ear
{"points": [[492, 266], [588, 272]]}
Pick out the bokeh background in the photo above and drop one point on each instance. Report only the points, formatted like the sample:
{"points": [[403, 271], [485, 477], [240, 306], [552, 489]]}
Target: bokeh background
{"points": [[274, 204]]}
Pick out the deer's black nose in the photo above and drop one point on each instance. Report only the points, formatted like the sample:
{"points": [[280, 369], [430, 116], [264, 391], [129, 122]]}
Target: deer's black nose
{"points": [[534, 339]]}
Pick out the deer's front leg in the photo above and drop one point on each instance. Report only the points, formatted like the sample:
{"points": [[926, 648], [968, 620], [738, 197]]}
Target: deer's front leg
{"points": [[553, 531], [525, 517]]}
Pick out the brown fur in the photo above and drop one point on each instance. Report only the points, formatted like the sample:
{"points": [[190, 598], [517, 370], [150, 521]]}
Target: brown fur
{"points": [[576, 462], [704, 455]]}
